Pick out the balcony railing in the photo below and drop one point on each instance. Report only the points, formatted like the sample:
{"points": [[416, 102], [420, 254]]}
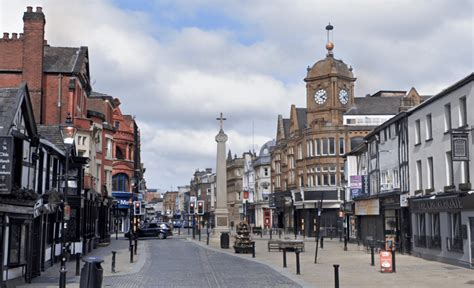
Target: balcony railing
{"points": [[433, 242], [420, 241], [454, 244]]}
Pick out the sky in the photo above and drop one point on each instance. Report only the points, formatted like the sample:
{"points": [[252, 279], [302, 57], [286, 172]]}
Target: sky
{"points": [[177, 64]]}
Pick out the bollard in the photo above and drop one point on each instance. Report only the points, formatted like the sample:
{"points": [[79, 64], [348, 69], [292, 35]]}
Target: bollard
{"points": [[271, 234], [345, 243], [62, 277], [199, 233], [394, 267], [253, 249], [78, 264], [207, 241], [279, 233], [322, 242], [194, 233], [136, 245], [284, 257], [131, 253], [297, 252], [179, 230], [336, 275], [113, 261], [372, 256]]}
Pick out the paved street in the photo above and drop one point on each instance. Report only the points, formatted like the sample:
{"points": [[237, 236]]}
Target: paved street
{"points": [[182, 263]]}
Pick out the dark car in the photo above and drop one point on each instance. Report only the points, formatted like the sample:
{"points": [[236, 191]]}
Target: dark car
{"points": [[160, 230]]}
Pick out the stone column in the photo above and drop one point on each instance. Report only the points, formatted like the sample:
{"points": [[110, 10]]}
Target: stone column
{"points": [[221, 213]]}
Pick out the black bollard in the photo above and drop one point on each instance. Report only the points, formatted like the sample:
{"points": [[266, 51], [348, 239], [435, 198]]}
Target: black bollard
{"points": [[322, 242], [131, 253], [271, 233], [336, 275], [394, 267], [345, 243], [113, 261], [78, 264], [284, 257], [372, 256], [297, 252], [253, 249], [199, 233], [207, 241], [279, 233], [136, 245], [179, 230], [194, 233]]}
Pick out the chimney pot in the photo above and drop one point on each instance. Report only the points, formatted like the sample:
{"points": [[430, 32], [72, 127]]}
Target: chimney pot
{"points": [[21, 35], [39, 9], [14, 35], [5, 35], [29, 9]]}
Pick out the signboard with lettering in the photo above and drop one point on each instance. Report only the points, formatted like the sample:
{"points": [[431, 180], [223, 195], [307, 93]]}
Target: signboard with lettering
{"points": [[442, 204], [6, 164], [367, 207], [386, 262], [459, 146], [359, 185]]}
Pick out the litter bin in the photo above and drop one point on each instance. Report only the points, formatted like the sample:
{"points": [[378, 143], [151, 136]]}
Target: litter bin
{"points": [[91, 273], [225, 240]]}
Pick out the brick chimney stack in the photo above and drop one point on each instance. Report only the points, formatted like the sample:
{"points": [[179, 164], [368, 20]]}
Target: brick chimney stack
{"points": [[33, 51]]}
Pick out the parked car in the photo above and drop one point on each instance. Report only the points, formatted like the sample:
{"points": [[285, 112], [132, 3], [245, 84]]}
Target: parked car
{"points": [[160, 230], [177, 224]]}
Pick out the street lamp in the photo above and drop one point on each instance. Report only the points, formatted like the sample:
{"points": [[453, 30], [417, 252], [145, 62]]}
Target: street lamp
{"points": [[68, 132], [130, 229]]}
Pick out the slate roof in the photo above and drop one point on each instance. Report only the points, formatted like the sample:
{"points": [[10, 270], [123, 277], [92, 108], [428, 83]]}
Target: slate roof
{"points": [[52, 133], [375, 106], [301, 114], [286, 127], [8, 107], [63, 59]]}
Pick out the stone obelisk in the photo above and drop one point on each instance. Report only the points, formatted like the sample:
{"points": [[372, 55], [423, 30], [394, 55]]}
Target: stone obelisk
{"points": [[221, 212]]}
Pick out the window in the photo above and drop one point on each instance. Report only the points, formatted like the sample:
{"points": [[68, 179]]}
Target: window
{"points": [[421, 228], [332, 179], [332, 146], [417, 132], [429, 130], [318, 147], [449, 163], [265, 171], [117, 124], [435, 230], [325, 146], [17, 243], [120, 182], [419, 183], [454, 224], [393, 131], [300, 151], [325, 180], [462, 112], [341, 146], [430, 173], [434, 238], [396, 182], [447, 117], [108, 148]]}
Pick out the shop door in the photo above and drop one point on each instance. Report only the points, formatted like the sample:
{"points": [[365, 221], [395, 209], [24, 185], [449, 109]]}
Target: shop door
{"points": [[36, 248], [471, 228]]}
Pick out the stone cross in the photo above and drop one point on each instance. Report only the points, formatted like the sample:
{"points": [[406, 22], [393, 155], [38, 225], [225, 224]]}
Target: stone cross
{"points": [[221, 119]]}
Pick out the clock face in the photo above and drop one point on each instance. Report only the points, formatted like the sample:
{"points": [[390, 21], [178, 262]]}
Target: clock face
{"points": [[343, 96], [320, 96]]}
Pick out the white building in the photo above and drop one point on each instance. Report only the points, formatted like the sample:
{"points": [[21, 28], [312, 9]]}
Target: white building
{"points": [[442, 209], [262, 170]]}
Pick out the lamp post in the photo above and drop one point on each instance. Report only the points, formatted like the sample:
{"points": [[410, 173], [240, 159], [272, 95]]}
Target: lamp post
{"points": [[130, 229], [68, 132]]}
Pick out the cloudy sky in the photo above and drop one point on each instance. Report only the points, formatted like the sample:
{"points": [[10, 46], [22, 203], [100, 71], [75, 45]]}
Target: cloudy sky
{"points": [[176, 65]]}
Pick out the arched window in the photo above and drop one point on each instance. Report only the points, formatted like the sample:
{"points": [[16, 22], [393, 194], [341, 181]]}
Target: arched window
{"points": [[120, 182]]}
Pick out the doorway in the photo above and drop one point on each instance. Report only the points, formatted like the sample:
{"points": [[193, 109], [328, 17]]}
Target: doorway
{"points": [[471, 228]]}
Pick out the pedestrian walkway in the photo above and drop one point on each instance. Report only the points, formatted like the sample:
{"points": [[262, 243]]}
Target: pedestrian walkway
{"points": [[355, 268], [50, 277]]}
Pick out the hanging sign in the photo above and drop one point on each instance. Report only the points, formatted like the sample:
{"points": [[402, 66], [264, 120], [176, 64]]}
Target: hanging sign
{"points": [[6, 164], [459, 146]]}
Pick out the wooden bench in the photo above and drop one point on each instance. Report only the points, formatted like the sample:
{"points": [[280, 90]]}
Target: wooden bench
{"points": [[257, 230], [292, 245], [274, 244]]}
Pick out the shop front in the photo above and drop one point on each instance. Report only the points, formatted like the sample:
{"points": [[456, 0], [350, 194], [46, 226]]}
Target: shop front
{"points": [[443, 227], [370, 222]]}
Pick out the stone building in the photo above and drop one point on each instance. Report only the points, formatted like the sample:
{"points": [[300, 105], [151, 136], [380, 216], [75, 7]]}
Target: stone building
{"points": [[235, 171]]}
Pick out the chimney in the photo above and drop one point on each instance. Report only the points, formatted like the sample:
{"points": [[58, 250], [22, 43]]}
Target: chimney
{"points": [[14, 35], [5, 35], [33, 50]]}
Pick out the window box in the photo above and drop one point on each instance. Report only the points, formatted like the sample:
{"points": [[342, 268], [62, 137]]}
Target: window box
{"points": [[464, 186], [429, 190], [419, 191], [449, 188]]}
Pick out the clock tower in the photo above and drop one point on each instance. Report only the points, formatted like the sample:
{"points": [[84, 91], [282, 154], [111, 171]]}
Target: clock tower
{"points": [[329, 88]]}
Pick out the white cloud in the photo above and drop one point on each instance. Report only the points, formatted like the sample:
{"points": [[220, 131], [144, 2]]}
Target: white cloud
{"points": [[176, 78]]}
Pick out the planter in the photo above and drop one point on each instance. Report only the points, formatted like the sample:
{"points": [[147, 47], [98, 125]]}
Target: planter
{"points": [[429, 191], [420, 191], [464, 186], [449, 188]]}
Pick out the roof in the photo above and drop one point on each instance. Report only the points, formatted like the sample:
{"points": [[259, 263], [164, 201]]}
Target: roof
{"points": [[8, 107], [329, 66], [375, 106], [63, 59], [301, 114], [11, 100], [286, 127], [52, 133]]}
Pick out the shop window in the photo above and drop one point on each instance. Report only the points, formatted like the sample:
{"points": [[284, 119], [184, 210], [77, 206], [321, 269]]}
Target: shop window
{"points": [[17, 243], [455, 242], [420, 238], [434, 239]]}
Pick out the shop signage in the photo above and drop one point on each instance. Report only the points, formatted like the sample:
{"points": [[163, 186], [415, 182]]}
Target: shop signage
{"points": [[367, 207], [437, 204], [6, 164], [359, 185], [459, 146], [404, 200], [386, 261]]}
